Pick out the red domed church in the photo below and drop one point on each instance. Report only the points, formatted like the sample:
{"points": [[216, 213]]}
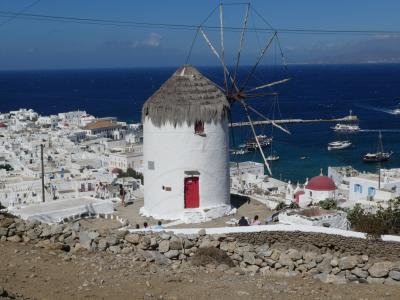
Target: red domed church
{"points": [[318, 188]]}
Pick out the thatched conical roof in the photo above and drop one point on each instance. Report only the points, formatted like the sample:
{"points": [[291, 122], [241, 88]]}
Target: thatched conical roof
{"points": [[186, 97]]}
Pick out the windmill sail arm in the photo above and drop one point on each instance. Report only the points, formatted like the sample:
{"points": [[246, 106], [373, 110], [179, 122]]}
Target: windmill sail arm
{"points": [[267, 119], [218, 56], [246, 17], [269, 84], [221, 20], [260, 57], [252, 96], [255, 136]]}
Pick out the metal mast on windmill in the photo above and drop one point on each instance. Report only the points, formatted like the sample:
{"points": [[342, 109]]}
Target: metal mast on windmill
{"points": [[234, 91]]}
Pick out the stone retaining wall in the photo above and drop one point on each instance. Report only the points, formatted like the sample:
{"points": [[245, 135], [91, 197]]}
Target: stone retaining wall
{"points": [[329, 258], [325, 242]]}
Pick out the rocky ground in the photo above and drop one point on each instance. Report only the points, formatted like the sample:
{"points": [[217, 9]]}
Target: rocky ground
{"points": [[29, 272]]}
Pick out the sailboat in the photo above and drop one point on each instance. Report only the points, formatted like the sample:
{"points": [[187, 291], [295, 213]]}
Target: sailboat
{"points": [[273, 156], [379, 155]]}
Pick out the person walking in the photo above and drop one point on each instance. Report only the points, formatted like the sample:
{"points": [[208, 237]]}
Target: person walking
{"points": [[122, 194]]}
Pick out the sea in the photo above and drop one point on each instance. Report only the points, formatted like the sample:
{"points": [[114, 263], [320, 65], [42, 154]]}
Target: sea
{"points": [[370, 91]]}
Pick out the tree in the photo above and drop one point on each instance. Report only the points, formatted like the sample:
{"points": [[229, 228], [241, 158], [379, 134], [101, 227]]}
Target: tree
{"points": [[7, 167]]}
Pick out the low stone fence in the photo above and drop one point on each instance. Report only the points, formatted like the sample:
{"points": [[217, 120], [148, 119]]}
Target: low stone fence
{"points": [[330, 258], [325, 243]]}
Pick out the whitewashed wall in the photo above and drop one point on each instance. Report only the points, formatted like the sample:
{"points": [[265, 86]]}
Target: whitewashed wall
{"points": [[176, 150]]}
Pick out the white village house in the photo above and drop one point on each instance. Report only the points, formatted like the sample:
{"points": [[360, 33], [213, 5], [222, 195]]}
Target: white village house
{"points": [[186, 160], [374, 187]]}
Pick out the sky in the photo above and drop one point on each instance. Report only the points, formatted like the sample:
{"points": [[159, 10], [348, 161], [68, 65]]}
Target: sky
{"points": [[32, 44]]}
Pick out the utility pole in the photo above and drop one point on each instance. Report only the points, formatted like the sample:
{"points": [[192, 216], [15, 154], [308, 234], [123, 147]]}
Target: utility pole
{"points": [[379, 178], [41, 158]]}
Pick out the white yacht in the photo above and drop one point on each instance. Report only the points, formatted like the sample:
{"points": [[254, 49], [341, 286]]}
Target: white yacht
{"points": [[346, 127], [338, 145], [240, 151], [272, 157]]}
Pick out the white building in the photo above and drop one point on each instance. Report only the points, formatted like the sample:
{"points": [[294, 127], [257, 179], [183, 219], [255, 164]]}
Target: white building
{"points": [[374, 188], [76, 118], [186, 161], [252, 167], [315, 216], [125, 160], [104, 128]]}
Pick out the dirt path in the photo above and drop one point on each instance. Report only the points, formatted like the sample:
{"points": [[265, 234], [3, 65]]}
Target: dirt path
{"points": [[42, 274]]}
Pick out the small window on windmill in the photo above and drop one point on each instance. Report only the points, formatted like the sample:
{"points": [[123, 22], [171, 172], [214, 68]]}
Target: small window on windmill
{"points": [[150, 165], [199, 128]]}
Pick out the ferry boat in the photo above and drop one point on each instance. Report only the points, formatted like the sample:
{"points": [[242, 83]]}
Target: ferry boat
{"points": [[338, 145], [346, 128], [379, 155]]}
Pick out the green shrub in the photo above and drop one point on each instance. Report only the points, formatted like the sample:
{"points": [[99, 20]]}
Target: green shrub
{"points": [[280, 206], [384, 221], [328, 204]]}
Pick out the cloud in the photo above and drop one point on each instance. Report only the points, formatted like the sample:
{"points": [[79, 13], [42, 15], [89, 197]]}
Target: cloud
{"points": [[152, 41]]}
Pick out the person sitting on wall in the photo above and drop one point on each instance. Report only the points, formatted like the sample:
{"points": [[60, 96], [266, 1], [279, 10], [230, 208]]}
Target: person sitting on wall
{"points": [[146, 226], [158, 226], [243, 221], [255, 221]]}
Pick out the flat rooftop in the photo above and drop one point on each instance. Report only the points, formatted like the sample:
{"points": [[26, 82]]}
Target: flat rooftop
{"points": [[57, 210]]}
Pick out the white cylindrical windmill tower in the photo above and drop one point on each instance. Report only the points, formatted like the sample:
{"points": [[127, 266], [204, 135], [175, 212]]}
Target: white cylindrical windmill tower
{"points": [[186, 149]]}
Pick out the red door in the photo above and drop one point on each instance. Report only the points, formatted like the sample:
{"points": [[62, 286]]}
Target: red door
{"points": [[192, 199]]}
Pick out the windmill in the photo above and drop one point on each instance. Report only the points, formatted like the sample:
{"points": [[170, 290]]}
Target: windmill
{"points": [[235, 90]]}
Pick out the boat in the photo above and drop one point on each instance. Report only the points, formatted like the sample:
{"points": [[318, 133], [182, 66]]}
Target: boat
{"points": [[380, 155], [272, 157], [264, 141], [338, 145], [346, 128], [396, 111], [377, 157], [240, 151]]}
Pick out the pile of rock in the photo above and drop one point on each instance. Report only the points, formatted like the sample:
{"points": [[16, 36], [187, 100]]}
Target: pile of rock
{"points": [[7, 295], [165, 248]]}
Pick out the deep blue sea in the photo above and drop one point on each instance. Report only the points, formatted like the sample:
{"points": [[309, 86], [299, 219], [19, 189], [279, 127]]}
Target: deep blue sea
{"points": [[370, 91]]}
